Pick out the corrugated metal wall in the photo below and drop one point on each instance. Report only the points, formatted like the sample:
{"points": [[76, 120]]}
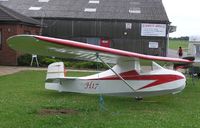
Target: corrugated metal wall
{"points": [[122, 38]]}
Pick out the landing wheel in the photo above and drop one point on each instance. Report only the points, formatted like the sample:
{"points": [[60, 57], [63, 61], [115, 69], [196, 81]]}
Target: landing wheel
{"points": [[138, 98]]}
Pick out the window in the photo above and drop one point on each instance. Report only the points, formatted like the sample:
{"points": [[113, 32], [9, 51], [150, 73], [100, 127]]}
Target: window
{"points": [[134, 10], [0, 39], [34, 8], [90, 10], [93, 2], [43, 1]]}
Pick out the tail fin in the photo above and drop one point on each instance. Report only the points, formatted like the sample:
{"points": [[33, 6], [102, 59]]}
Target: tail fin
{"points": [[56, 70]]}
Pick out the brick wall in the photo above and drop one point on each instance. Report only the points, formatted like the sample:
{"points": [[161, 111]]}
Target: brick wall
{"points": [[7, 55]]}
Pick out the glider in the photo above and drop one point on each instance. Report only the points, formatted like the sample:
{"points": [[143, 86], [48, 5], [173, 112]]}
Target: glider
{"points": [[126, 78]]}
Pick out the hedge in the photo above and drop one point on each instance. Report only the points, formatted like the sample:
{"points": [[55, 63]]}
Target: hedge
{"points": [[25, 60]]}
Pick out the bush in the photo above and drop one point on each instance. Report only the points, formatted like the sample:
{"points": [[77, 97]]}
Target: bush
{"points": [[91, 65], [25, 60], [46, 61], [69, 64]]}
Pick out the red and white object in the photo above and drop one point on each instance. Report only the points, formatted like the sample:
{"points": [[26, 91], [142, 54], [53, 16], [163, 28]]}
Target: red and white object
{"points": [[126, 78]]}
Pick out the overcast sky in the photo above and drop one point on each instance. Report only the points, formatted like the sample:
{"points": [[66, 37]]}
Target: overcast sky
{"points": [[185, 14]]}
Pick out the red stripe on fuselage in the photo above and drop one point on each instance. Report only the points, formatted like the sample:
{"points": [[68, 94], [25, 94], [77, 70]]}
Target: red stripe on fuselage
{"points": [[158, 79]]}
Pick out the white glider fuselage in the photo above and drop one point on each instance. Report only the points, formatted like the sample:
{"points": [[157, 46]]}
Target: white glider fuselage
{"points": [[158, 81]]}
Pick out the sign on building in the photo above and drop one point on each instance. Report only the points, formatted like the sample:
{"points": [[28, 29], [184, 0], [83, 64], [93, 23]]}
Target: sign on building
{"points": [[128, 25], [158, 30], [153, 44]]}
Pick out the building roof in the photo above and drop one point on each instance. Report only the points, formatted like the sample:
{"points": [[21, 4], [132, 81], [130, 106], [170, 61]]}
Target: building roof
{"points": [[8, 15], [148, 10]]}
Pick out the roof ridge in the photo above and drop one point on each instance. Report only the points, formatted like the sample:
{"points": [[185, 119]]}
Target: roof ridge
{"points": [[7, 12], [23, 18]]}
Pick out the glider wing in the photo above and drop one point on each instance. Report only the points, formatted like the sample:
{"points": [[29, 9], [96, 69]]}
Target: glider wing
{"points": [[47, 46]]}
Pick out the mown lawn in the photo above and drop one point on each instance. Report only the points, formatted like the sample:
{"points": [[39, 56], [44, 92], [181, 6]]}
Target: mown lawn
{"points": [[22, 96], [175, 44]]}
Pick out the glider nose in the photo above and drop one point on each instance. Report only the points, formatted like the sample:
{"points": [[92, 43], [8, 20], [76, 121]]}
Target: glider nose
{"points": [[180, 84]]}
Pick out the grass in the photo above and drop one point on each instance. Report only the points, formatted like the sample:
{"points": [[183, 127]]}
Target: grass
{"points": [[175, 44], [22, 95]]}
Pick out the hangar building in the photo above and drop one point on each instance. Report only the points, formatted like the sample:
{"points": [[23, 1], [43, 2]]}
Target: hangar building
{"points": [[133, 25]]}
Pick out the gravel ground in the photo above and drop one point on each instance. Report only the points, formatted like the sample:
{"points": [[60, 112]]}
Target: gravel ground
{"points": [[5, 70]]}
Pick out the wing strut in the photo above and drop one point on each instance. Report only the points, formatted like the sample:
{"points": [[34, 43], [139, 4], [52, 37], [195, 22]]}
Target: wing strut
{"points": [[98, 57]]}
